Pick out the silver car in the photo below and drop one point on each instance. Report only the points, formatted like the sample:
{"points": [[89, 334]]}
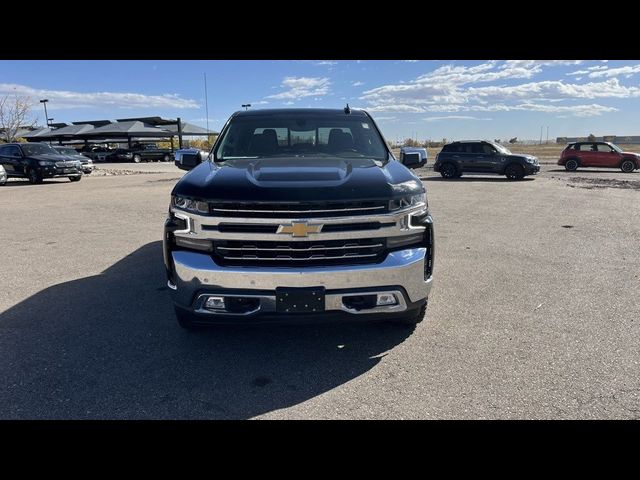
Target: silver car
{"points": [[3, 175], [87, 163]]}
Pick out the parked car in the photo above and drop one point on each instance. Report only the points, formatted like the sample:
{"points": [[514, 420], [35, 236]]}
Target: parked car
{"points": [[598, 154], [481, 156], [149, 152], [97, 153], [423, 155], [37, 161], [298, 214], [3, 175], [119, 155], [86, 162]]}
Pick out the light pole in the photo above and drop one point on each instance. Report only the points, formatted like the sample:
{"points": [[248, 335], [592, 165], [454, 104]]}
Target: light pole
{"points": [[246, 106], [46, 115]]}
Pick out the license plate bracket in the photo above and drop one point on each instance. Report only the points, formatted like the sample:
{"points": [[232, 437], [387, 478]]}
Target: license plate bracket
{"points": [[300, 300]]}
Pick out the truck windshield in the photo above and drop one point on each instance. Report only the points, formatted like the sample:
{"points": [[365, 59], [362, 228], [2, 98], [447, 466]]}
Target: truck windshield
{"points": [[296, 135]]}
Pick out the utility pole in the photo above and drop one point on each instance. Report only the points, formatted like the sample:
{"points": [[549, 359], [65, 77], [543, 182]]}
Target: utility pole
{"points": [[540, 135], [547, 134], [206, 103], [46, 115]]}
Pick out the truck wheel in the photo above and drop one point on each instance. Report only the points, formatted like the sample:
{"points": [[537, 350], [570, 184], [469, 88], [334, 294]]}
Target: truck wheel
{"points": [[514, 172], [415, 318], [137, 158], [628, 166], [167, 158], [75, 179], [571, 165], [185, 319], [448, 170], [34, 176]]}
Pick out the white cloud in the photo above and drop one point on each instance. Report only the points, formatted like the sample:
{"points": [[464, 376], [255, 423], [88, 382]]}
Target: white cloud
{"points": [[578, 72], [453, 117], [592, 110], [410, 61], [327, 63], [452, 89], [300, 87], [588, 110], [357, 83], [627, 71], [65, 99]]}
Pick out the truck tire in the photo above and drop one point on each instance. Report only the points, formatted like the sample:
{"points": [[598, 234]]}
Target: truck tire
{"points": [[415, 318], [137, 158], [75, 179], [185, 319], [628, 166], [167, 158]]}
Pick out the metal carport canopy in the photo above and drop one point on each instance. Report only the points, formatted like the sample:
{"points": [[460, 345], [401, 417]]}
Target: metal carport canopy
{"points": [[127, 130]]}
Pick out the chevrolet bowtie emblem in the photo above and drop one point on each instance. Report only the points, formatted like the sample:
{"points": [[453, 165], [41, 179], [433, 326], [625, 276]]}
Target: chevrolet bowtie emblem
{"points": [[299, 229]]}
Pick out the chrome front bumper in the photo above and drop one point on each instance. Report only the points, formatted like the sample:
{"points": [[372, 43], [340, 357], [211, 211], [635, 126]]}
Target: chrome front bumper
{"points": [[197, 273]]}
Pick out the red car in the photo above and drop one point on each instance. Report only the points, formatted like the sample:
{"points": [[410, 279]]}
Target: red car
{"points": [[598, 154]]}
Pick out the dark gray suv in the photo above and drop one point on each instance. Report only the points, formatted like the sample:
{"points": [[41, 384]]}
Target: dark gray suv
{"points": [[480, 156]]}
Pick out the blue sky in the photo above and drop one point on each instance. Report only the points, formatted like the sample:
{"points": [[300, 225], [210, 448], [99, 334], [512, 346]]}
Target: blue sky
{"points": [[428, 99]]}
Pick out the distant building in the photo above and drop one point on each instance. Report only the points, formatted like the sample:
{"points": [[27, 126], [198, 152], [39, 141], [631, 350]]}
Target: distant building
{"points": [[632, 139]]}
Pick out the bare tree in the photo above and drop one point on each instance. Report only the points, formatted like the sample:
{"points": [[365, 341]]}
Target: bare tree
{"points": [[14, 114]]}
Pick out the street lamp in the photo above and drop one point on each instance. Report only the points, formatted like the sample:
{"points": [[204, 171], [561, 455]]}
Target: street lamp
{"points": [[46, 115], [246, 106]]}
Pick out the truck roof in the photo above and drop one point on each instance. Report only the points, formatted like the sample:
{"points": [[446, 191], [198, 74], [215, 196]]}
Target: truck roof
{"points": [[299, 111]]}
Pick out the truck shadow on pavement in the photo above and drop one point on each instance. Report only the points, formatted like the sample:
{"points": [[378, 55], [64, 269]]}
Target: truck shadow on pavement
{"points": [[108, 346]]}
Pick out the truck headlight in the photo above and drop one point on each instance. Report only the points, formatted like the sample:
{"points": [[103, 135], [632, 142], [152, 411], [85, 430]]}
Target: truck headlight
{"points": [[408, 201], [530, 159], [190, 205], [46, 163]]}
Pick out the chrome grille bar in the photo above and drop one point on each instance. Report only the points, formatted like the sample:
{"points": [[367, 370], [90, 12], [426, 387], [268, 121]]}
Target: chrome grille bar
{"points": [[355, 209], [285, 249], [283, 258]]}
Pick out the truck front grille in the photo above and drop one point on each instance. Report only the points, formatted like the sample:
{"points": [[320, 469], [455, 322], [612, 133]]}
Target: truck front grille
{"points": [[290, 254], [296, 210]]}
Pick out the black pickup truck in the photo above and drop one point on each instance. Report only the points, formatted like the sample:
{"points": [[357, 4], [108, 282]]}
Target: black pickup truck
{"points": [[299, 215], [149, 152]]}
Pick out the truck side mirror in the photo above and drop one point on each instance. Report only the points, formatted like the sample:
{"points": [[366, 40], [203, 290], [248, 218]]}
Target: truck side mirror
{"points": [[411, 160], [187, 161]]}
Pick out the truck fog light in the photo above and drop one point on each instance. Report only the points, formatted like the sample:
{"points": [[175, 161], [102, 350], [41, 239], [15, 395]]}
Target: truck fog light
{"points": [[214, 303], [386, 299]]}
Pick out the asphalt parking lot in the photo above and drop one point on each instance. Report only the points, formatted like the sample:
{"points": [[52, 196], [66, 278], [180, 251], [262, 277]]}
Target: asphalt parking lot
{"points": [[534, 312]]}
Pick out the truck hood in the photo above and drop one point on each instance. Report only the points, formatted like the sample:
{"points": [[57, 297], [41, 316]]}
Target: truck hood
{"points": [[298, 179]]}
